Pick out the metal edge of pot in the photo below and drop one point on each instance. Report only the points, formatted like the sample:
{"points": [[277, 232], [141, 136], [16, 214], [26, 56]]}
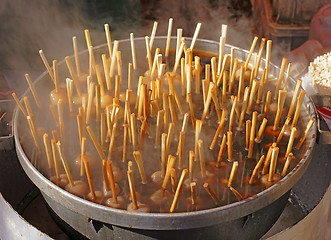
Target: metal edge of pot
{"points": [[168, 221]]}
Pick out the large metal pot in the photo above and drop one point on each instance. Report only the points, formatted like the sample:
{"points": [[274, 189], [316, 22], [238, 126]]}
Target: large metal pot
{"points": [[246, 219]]}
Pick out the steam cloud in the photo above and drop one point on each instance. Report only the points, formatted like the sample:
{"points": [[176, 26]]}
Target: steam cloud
{"points": [[27, 26]]}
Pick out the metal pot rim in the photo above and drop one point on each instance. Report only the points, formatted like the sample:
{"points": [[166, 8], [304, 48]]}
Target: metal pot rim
{"points": [[166, 221]]}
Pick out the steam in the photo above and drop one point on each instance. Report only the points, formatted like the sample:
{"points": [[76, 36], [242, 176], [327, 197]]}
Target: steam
{"points": [[27, 26]]}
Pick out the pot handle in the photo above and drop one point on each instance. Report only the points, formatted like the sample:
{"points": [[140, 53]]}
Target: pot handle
{"points": [[323, 135]]}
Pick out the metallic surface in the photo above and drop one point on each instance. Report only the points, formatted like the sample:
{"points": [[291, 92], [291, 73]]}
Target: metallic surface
{"points": [[65, 204], [13, 226]]}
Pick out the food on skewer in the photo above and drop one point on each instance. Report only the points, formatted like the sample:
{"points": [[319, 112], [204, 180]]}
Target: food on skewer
{"points": [[149, 122]]}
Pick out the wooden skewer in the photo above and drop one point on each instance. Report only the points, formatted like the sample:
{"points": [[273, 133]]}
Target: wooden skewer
{"points": [[294, 98], [267, 57], [65, 164], [273, 163], [82, 153], [250, 52], [261, 86], [113, 59], [251, 96], [129, 76], [171, 131], [179, 40], [287, 164], [112, 180], [185, 122], [219, 129], [142, 133], [216, 104], [153, 35], [56, 76], [290, 141], [173, 180], [61, 120], [281, 101], [50, 72], [241, 84], [96, 143], [287, 75], [55, 136], [212, 194], [148, 50], [107, 32], [103, 130], [91, 61], [132, 189], [97, 102], [178, 56], [236, 193], [180, 149], [267, 103], [225, 80], [89, 176], [198, 126], [197, 68], [33, 90], [191, 165], [73, 75], [202, 158], [280, 76], [19, 104], [226, 61], [248, 132], [259, 56], [89, 101], [252, 135], [133, 51], [183, 76], [117, 87], [221, 48], [55, 159], [232, 173], [160, 117], [256, 169], [221, 151], [213, 69], [268, 158], [163, 154], [243, 108], [48, 150], [193, 186], [302, 139], [233, 73], [119, 64], [298, 107], [208, 101], [190, 103], [69, 93], [125, 142], [179, 187], [195, 36], [133, 130], [261, 130], [173, 112], [232, 114], [281, 133], [230, 142], [112, 141], [171, 162], [137, 157], [236, 109], [168, 37]]}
